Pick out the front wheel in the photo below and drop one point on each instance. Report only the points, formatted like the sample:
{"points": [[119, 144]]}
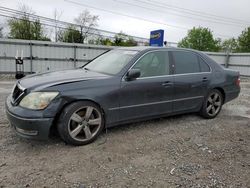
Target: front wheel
{"points": [[80, 123], [212, 104]]}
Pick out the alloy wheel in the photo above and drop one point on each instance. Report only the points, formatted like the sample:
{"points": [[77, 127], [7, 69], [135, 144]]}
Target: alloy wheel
{"points": [[84, 123], [214, 103]]}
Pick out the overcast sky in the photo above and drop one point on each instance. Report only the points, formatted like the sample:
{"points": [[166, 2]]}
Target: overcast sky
{"points": [[174, 16]]}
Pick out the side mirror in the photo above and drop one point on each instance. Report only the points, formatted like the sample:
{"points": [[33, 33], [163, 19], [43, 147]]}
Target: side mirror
{"points": [[132, 74]]}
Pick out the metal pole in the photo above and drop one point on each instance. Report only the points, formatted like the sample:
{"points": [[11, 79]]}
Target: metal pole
{"points": [[75, 56], [31, 57], [227, 59]]}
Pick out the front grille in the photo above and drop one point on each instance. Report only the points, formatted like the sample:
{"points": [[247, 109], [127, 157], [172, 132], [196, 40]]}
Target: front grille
{"points": [[17, 93]]}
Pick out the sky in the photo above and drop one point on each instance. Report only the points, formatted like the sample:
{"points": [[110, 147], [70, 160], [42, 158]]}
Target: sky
{"points": [[226, 18]]}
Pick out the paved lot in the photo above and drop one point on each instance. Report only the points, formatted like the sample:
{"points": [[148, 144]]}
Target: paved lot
{"points": [[181, 151]]}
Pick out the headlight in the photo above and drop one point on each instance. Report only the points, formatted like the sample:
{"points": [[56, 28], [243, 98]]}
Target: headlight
{"points": [[38, 100]]}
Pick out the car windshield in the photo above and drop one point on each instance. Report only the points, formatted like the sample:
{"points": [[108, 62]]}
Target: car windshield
{"points": [[111, 62]]}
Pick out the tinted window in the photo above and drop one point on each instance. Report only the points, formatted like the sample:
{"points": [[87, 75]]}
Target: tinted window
{"points": [[153, 64], [185, 62], [204, 66]]}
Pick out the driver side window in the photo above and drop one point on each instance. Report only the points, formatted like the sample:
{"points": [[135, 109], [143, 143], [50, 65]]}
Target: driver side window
{"points": [[153, 64]]}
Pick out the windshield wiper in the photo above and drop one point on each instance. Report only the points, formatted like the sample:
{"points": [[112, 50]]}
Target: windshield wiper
{"points": [[86, 68]]}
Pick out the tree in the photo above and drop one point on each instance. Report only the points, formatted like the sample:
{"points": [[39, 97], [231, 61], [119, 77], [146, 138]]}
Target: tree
{"points": [[71, 35], [131, 42], [86, 22], [106, 42], [100, 40], [244, 41], [230, 45], [57, 16], [200, 39], [25, 29], [22, 27], [121, 39]]}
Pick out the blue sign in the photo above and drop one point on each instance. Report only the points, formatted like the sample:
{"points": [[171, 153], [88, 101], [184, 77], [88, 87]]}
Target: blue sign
{"points": [[156, 38]]}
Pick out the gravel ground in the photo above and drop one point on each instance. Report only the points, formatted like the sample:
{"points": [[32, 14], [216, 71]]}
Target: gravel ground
{"points": [[180, 151]]}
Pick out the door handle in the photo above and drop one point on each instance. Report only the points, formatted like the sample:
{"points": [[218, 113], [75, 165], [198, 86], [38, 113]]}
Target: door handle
{"points": [[204, 79], [167, 84]]}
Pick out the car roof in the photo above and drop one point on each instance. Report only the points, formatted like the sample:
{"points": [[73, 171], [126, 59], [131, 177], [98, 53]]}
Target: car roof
{"points": [[149, 48], [140, 48], [145, 49]]}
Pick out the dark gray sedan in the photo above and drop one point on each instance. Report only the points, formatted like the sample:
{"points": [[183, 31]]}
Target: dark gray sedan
{"points": [[121, 86]]}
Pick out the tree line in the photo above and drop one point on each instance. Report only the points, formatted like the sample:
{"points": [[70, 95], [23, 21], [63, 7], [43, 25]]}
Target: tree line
{"points": [[202, 39]]}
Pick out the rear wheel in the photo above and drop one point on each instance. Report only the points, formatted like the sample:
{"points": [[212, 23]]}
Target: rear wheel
{"points": [[80, 123], [212, 104]]}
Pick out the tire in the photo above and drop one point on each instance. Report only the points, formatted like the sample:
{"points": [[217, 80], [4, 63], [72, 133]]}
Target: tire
{"points": [[212, 104], [80, 123]]}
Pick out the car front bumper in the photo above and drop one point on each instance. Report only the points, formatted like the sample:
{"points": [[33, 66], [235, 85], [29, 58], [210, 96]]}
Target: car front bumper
{"points": [[37, 128]]}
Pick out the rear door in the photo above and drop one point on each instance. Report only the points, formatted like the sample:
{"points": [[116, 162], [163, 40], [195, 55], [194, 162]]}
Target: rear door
{"points": [[191, 78], [152, 93]]}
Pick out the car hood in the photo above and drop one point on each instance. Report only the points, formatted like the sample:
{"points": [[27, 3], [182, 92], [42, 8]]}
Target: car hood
{"points": [[59, 77]]}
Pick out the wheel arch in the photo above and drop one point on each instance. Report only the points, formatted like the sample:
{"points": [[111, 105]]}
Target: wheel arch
{"points": [[54, 125], [222, 92]]}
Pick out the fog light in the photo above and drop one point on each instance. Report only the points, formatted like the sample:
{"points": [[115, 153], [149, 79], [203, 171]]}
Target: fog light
{"points": [[27, 132]]}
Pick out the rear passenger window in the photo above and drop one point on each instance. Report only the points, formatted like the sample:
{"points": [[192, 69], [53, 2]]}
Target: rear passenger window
{"points": [[204, 66], [185, 62]]}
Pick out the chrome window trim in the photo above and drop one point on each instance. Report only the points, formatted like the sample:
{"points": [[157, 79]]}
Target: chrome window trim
{"points": [[152, 77], [151, 103], [161, 76], [173, 75]]}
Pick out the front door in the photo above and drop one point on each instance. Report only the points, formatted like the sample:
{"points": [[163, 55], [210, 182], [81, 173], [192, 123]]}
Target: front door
{"points": [[152, 93]]}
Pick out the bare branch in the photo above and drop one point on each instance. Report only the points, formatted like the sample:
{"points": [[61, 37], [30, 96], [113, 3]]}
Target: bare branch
{"points": [[86, 22]]}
